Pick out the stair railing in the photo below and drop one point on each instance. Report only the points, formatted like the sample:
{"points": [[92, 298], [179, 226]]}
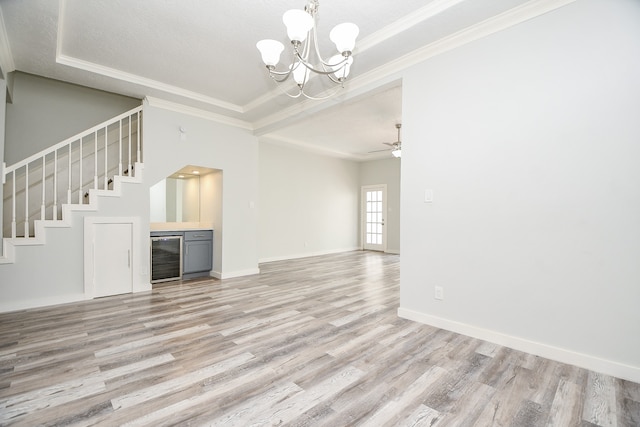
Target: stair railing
{"points": [[89, 152]]}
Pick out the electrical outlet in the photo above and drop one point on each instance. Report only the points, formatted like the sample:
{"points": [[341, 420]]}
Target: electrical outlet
{"points": [[439, 293]]}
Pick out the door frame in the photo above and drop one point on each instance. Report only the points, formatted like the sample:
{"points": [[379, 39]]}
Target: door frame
{"points": [[363, 215], [89, 235]]}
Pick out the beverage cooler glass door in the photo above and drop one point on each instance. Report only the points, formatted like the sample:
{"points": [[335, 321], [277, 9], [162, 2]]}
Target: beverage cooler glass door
{"points": [[166, 258]]}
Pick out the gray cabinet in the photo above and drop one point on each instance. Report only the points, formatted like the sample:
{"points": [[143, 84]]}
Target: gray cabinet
{"points": [[197, 259]]}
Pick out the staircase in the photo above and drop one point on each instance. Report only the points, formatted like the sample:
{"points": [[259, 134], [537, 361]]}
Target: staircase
{"points": [[42, 190]]}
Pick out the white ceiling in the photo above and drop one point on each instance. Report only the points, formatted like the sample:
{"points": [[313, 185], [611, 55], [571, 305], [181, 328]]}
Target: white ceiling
{"points": [[202, 54]]}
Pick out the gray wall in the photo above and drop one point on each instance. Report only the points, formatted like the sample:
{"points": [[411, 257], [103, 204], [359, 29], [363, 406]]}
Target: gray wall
{"points": [[3, 104], [386, 171], [529, 139], [45, 112]]}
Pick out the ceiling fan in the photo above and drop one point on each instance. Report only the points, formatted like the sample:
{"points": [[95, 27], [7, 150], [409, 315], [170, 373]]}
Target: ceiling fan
{"points": [[396, 147]]}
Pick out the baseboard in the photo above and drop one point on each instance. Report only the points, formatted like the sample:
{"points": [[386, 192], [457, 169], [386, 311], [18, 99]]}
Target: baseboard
{"points": [[238, 273], [6, 307], [392, 251], [592, 363], [307, 255]]}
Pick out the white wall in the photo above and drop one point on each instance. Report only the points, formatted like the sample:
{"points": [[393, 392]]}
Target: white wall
{"points": [[53, 273], [213, 145], [386, 171], [211, 213], [308, 203], [529, 139], [45, 112]]}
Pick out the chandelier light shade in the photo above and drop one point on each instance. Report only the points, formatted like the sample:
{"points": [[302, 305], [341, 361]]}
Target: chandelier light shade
{"points": [[344, 36], [306, 59], [270, 50], [298, 23]]}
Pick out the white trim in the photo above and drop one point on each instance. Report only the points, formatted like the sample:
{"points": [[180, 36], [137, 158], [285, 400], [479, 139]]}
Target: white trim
{"points": [[392, 251], [382, 35], [143, 81], [507, 19], [6, 57], [608, 367], [239, 273], [113, 73], [405, 23], [308, 254], [136, 254], [310, 148], [40, 302], [197, 112]]}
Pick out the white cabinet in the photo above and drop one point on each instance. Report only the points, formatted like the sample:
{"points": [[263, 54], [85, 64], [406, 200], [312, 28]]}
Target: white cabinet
{"points": [[109, 256]]}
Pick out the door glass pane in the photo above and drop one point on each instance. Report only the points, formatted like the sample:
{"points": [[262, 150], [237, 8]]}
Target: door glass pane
{"points": [[374, 217]]}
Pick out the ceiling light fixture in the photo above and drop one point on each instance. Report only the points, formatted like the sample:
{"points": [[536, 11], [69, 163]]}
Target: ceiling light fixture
{"points": [[301, 29], [396, 153]]}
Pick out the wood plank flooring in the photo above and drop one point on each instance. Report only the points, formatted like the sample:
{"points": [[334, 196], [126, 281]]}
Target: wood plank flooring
{"points": [[310, 342]]}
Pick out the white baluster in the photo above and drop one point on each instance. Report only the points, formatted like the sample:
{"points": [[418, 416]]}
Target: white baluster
{"points": [[55, 185], [138, 159], [106, 175], [44, 194], [95, 161], [26, 200], [120, 147], [129, 165], [69, 186], [13, 219], [80, 173]]}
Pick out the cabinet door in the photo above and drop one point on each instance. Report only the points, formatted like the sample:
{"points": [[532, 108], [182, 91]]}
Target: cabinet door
{"points": [[198, 256], [112, 259]]}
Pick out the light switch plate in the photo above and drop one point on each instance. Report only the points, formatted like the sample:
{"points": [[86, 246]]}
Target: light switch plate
{"points": [[428, 196]]}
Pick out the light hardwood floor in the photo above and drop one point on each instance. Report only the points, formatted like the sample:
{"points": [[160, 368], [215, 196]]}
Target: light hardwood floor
{"points": [[312, 342]]}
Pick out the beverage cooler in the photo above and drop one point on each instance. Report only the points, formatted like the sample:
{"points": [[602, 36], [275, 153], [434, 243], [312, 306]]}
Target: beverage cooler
{"points": [[166, 258]]}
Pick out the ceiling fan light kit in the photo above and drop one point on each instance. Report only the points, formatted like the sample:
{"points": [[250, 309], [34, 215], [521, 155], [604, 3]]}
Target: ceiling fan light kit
{"points": [[301, 30], [396, 147]]}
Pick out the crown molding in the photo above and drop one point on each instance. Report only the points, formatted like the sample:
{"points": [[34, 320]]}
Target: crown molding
{"points": [[405, 23], [6, 57], [113, 73], [197, 112], [392, 69], [143, 81], [495, 24], [310, 148]]}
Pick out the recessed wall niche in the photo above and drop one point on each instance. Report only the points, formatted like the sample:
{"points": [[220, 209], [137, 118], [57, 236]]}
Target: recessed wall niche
{"points": [[182, 198]]}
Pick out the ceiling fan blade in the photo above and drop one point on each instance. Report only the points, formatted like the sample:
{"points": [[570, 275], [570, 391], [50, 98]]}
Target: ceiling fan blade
{"points": [[390, 144]]}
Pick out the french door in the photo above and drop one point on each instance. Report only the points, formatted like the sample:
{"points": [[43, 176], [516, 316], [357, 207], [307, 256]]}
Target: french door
{"points": [[374, 210]]}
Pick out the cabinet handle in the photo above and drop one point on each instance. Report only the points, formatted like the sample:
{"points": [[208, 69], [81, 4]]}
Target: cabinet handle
{"points": [[198, 235]]}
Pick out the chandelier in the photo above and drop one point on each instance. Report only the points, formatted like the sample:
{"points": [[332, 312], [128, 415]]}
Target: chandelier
{"points": [[306, 58]]}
